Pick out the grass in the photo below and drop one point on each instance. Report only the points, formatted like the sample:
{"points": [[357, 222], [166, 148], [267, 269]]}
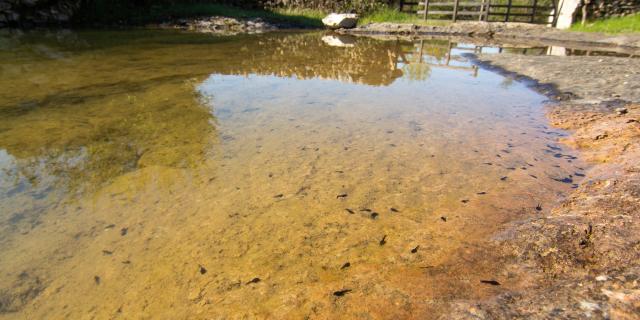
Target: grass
{"points": [[395, 16], [115, 12], [304, 17], [626, 24]]}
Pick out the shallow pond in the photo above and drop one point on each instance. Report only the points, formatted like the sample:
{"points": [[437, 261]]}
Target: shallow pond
{"points": [[169, 175]]}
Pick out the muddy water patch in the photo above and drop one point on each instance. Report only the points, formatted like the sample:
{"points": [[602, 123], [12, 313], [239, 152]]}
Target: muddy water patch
{"points": [[263, 176]]}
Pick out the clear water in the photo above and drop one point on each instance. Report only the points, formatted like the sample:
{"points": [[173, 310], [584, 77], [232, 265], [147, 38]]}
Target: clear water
{"points": [[167, 175]]}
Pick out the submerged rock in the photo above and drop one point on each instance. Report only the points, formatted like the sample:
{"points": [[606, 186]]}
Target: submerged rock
{"points": [[621, 111]]}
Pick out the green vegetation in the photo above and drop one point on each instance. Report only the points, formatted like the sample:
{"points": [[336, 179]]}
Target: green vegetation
{"points": [[102, 12], [116, 12], [302, 17], [626, 24], [395, 16]]}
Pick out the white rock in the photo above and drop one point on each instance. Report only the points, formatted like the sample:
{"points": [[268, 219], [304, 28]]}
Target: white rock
{"points": [[601, 278], [341, 20]]}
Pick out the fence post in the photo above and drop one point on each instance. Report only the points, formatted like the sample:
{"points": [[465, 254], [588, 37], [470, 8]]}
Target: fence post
{"points": [[455, 10], [426, 9], [481, 10], [506, 17], [486, 15], [556, 12], [533, 11]]}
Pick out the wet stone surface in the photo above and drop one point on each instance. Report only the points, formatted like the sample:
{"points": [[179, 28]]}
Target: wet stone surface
{"points": [[581, 260]]}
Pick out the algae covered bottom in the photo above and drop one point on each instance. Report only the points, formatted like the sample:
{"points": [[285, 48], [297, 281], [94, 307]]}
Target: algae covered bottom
{"points": [[160, 174]]}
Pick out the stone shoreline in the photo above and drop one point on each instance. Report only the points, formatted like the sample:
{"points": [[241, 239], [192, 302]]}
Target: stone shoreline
{"points": [[582, 260], [505, 33]]}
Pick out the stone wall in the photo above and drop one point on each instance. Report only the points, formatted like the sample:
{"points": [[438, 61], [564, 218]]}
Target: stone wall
{"points": [[611, 8], [571, 10], [331, 5], [36, 12], [359, 6]]}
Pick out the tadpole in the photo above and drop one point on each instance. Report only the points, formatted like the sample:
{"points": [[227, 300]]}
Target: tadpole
{"points": [[443, 218], [394, 209], [383, 240], [346, 265], [414, 250], [341, 293], [374, 215], [342, 195], [564, 180], [491, 282], [254, 280], [349, 210]]}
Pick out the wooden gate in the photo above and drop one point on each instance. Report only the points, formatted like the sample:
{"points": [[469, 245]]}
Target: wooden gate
{"points": [[529, 11], [438, 9]]}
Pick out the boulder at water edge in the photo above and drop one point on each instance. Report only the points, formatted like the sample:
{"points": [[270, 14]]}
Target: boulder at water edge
{"points": [[341, 20]]}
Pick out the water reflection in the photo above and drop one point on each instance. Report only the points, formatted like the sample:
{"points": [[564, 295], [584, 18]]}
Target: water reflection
{"points": [[88, 107], [87, 129]]}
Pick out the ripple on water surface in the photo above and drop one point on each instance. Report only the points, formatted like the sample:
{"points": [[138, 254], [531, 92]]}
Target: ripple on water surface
{"points": [[149, 173]]}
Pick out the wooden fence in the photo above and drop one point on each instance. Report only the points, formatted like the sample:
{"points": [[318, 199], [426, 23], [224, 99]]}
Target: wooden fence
{"points": [[483, 10]]}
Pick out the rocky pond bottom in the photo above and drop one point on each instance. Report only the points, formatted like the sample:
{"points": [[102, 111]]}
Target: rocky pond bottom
{"points": [[160, 174]]}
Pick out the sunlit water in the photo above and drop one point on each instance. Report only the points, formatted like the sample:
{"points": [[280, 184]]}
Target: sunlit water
{"points": [[164, 175]]}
